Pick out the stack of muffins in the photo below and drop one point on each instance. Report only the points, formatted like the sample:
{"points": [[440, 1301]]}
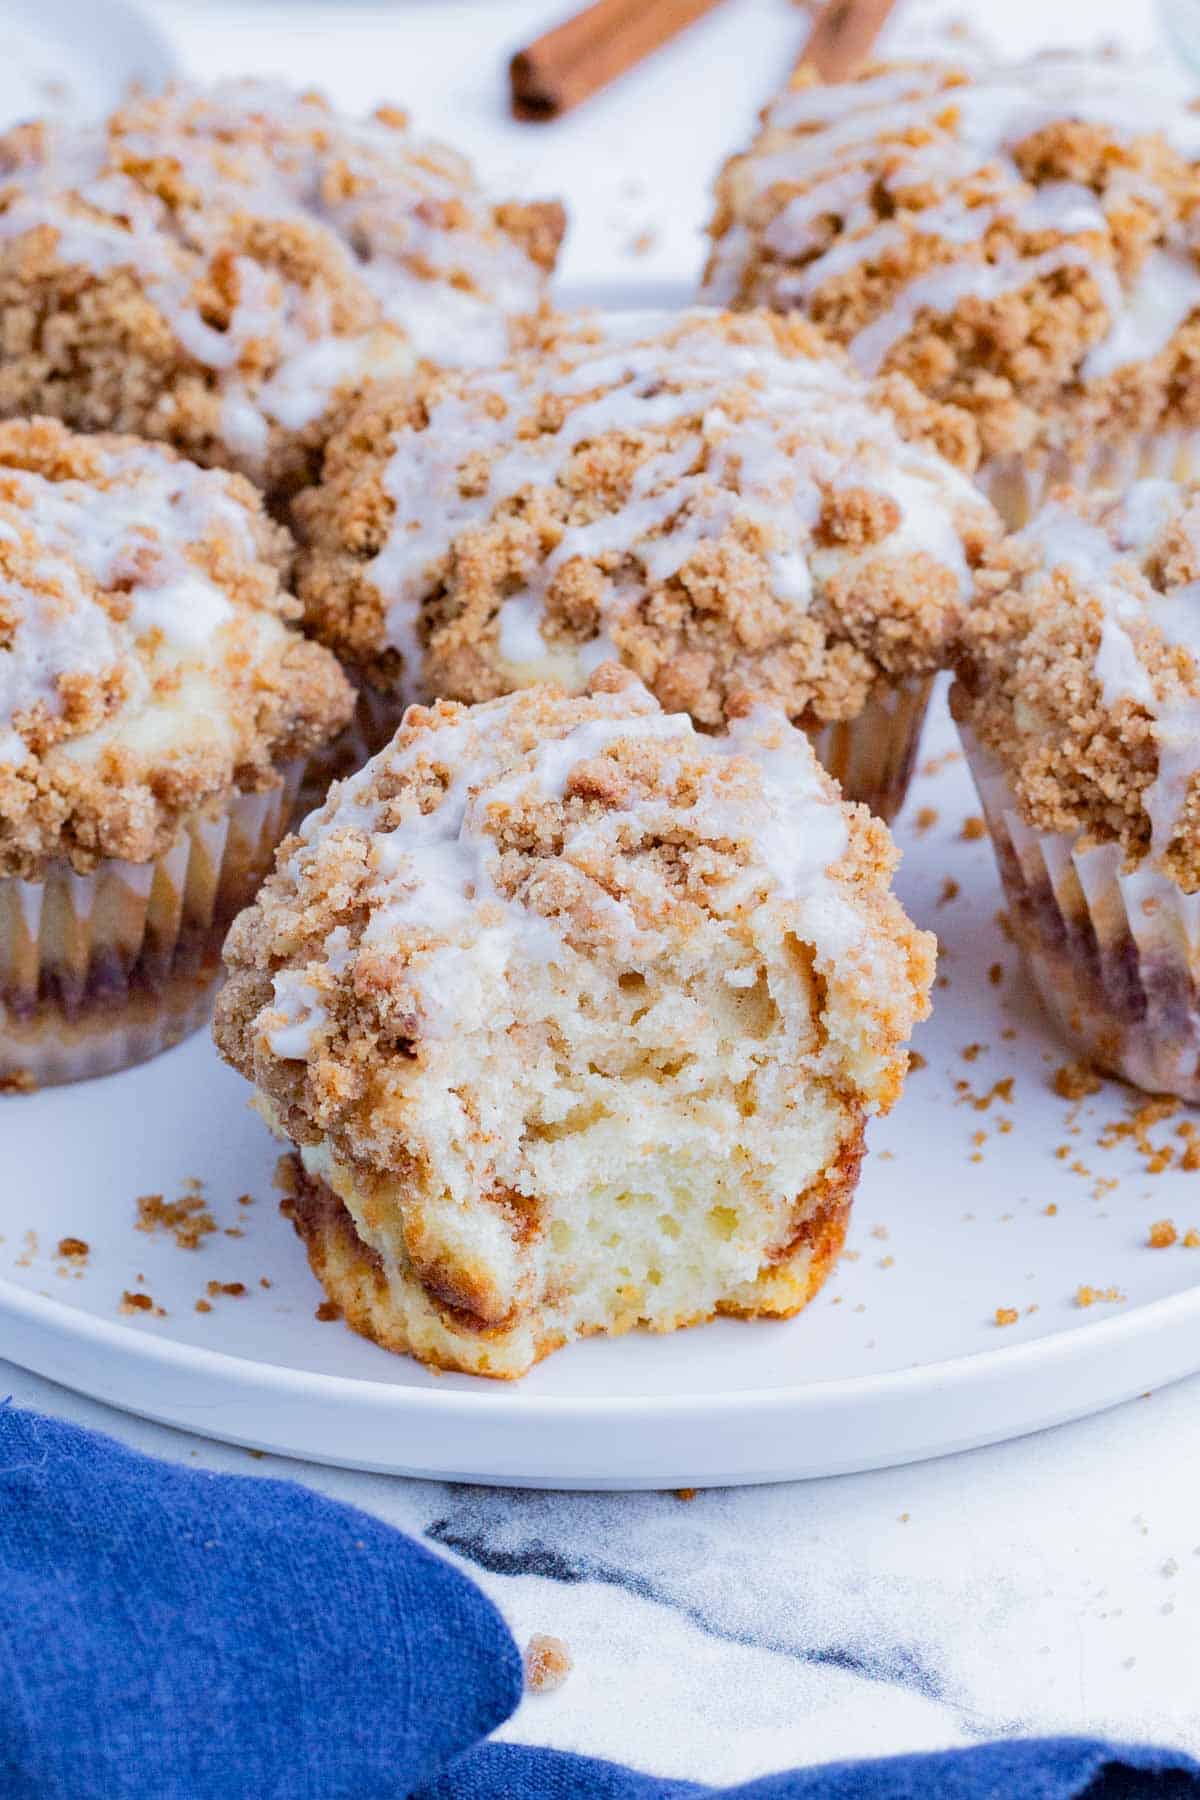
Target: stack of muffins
{"points": [[575, 995]]}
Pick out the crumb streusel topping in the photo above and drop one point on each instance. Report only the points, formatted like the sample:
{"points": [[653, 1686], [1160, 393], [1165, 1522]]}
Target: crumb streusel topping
{"points": [[146, 664], [1020, 240], [1080, 670], [717, 500], [215, 266], [487, 846], [574, 1015]]}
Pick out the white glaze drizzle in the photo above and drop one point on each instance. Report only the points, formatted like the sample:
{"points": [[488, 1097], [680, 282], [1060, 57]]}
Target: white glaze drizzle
{"points": [[904, 128], [1105, 561], [379, 194], [809, 425], [435, 908], [131, 537]]}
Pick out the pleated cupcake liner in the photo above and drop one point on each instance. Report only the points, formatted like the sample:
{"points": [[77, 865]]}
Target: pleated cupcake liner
{"points": [[1114, 952], [101, 971], [1017, 485], [873, 756]]}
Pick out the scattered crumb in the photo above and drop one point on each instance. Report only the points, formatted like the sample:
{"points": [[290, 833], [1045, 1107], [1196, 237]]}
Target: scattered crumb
{"points": [[887, 1262], [973, 828], [1163, 1234], [187, 1219], [879, 1231], [140, 1303], [950, 891], [234, 1231], [916, 1061], [642, 242], [245, 1199], [1050, 1211], [925, 820], [1009, 1033], [905, 1517], [235, 1289], [1075, 1081], [203, 1306], [1090, 1296], [685, 1493], [1006, 1315], [935, 764], [76, 1249], [972, 1051], [547, 1664], [328, 1311], [264, 1281], [996, 974], [1191, 1239]]}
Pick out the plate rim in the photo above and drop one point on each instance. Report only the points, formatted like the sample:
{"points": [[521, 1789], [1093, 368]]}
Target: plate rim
{"points": [[501, 1397]]}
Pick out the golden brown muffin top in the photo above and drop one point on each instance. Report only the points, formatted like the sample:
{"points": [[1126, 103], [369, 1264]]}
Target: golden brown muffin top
{"points": [[1019, 239], [146, 662], [1080, 671], [715, 499]]}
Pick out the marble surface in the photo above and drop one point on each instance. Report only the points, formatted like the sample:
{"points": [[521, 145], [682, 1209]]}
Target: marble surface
{"points": [[1046, 1585]]}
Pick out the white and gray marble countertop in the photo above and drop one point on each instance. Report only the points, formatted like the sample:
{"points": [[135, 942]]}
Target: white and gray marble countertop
{"points": [[1051, 1584]]}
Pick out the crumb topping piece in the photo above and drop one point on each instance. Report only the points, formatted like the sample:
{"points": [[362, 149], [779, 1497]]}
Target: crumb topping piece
{"points": [[1080, 670], [146, 660], [220, 263], [715, 500], [1018, 238]]}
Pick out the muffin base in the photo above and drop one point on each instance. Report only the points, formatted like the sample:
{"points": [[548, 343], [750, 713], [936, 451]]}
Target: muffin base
{"points": [[873, 756], [101, 971], [395, 1311], [1113, 952], [1016, 485]]}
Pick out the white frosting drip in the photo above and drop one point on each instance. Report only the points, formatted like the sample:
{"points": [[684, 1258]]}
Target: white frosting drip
{"points": [[1105, 563], [380, 195], [810, 425], [432, 885], [132, 540], [904, 128]]}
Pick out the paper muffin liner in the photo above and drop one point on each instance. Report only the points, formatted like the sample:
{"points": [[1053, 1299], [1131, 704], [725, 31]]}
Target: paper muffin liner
{"points": [[1114, 952], [101, 971], [873, 756], [1017, 485]]}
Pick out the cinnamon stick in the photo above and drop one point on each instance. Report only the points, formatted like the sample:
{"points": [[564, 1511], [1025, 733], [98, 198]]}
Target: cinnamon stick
{"points": [[586, 52], [844, 36]]}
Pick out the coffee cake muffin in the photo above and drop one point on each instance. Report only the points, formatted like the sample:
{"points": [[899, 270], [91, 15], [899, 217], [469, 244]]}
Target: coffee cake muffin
{"points": [[716, 500], [1079, 699], [219, 267], [575, 1017], [156, 708], [1020, 240]]}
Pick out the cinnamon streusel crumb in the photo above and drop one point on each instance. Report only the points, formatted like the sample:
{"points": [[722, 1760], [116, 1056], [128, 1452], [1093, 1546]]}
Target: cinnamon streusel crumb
{"points": [[716, 500]]}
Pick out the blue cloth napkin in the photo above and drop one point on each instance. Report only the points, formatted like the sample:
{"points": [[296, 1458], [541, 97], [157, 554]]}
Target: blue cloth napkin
{"points": [[170, 1634]]}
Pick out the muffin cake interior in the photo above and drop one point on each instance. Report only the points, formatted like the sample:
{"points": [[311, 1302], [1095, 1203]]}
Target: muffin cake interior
{"points": [[575, 1017]]}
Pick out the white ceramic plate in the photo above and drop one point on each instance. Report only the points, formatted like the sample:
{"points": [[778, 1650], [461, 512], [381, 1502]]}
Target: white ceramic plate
{"points": [[899, 1358], [75, 57]]}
